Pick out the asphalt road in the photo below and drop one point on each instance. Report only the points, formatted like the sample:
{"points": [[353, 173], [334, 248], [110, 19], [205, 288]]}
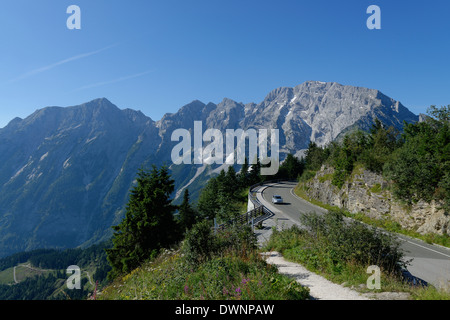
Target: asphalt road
{"points": [[430, 263]]}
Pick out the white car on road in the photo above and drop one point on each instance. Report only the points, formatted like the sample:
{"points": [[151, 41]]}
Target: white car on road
{"points": [[277, 199]]}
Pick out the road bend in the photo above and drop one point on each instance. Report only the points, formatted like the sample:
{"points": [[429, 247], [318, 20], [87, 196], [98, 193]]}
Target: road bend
{"points": [[429, 263]]}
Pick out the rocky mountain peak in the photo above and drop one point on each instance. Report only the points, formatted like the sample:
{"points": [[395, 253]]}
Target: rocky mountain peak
{"points": [[65, 173]]}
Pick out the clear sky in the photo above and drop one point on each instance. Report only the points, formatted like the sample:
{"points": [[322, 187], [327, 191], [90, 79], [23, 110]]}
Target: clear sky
{"points": [[156, 56]]}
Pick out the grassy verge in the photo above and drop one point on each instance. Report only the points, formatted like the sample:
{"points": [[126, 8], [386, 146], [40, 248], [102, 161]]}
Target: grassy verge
{"points": [[225, 266], [342, 253], [229, 277]]}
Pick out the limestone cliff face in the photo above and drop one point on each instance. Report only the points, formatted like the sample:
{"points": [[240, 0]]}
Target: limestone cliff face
{"points": [[368, 193]]}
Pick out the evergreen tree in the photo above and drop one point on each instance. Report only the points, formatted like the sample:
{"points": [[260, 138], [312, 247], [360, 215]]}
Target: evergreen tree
{"points": [[207, 203], [291, 168], [255, 173], [420, 167], [230, 184], [187, 214], [315, 156], [148, 225], [243, 174], [376, 147]]}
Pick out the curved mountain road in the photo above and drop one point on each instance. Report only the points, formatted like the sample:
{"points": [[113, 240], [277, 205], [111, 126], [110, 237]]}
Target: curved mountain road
{"points": [[430, 263]]}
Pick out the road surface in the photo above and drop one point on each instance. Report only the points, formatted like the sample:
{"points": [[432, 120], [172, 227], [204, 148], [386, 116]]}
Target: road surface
{"points": [[430, 263]]}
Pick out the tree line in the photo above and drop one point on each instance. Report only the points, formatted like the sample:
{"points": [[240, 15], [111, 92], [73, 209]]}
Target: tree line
{"points": [[51, 284]]}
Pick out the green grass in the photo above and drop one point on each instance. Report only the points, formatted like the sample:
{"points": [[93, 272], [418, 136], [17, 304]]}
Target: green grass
{"points": [[207, 265], [376, 188], [6, 276], [24, 271], [243, 201], [231, 276], [326, 177], [327, 256]]}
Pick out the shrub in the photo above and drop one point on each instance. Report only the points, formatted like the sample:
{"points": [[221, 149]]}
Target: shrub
{"points": [[202, 243], [354, 241], [199, 244], [331, 245]]}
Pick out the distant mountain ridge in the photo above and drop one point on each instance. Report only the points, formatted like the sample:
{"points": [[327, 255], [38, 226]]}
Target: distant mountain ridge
{"points": [[65, 173]]}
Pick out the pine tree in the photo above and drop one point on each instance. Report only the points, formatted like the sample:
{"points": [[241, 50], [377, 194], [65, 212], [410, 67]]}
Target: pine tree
{"points": [[148, 225], [230, 184], [255, 173], [207, 202], [187, 214], [291, 168], [243, 175]]}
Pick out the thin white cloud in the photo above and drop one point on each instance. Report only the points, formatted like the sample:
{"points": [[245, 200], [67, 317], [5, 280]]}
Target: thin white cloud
{"points": [[54, 65], [103, 83]]}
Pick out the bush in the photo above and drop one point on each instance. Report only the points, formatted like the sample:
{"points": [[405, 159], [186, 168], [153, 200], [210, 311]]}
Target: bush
{"points": [[354, 241], [202, 243], [221, 266], [333, 246]]}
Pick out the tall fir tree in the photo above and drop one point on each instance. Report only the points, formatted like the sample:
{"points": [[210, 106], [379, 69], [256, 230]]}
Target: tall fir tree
{"points": [[187, 214], [291, 168], [148, 225], [255, 172], [243, 174], [207, 203]]}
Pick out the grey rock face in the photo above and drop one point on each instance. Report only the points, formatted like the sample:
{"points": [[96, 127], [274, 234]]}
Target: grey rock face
{"points": [[65, 173], [366, 192], [326, 109]]}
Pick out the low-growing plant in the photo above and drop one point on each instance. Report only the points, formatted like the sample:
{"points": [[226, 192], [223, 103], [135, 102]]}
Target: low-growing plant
{"points": [[228, 267], [202, 242], [354, 241], [340, 250]]}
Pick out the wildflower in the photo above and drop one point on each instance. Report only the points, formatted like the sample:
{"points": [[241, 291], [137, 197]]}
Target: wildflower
{"points": [[238, 290], [225, 291], [186, 289]]}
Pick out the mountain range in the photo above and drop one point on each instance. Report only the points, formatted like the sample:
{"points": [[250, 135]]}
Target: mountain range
{"points": [[66, 172]]}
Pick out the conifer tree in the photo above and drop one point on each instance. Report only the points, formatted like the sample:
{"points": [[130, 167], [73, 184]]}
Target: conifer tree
{"points": [[291, 168], [243, 175], [148, 225], [255, 172], [207, 202], [187, 214]]}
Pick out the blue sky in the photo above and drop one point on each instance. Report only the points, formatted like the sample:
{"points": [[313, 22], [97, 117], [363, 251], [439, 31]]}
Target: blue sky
{"points": [[156, 56]]}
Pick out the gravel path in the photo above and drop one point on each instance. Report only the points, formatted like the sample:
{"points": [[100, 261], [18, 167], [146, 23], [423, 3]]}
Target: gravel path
{"points": [[320, 288]]}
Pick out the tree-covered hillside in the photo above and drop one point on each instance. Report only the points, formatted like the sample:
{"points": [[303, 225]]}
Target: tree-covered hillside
{"points": [[48, 282]]}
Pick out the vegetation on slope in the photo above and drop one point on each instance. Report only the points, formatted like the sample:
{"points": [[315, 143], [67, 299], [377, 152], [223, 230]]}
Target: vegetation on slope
{"points": [[342, 251], [207, 266], [191, 260], [211, 266], [42, 273], [417, 161]]}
